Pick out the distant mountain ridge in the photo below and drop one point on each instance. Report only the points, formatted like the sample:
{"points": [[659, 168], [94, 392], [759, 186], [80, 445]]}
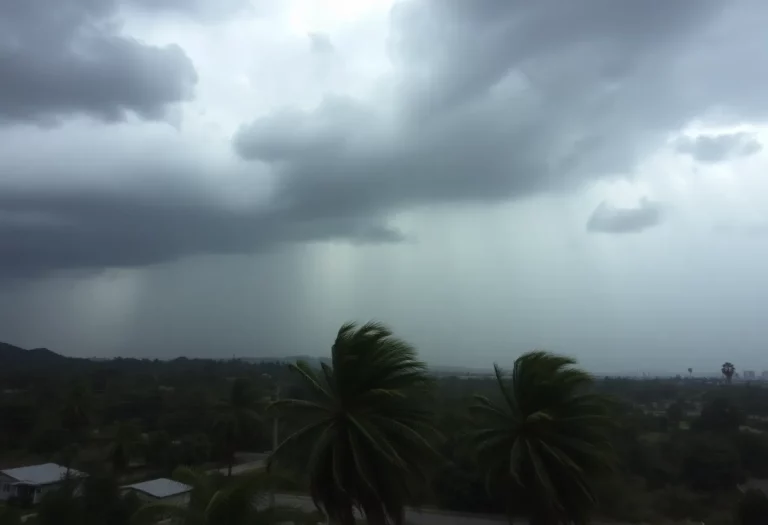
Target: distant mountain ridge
{"points": [[14, 356], [14, 360], [13, 353]]}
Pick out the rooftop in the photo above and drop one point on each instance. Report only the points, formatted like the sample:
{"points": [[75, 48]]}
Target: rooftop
{"points": [[41, 474], [160, 488]]}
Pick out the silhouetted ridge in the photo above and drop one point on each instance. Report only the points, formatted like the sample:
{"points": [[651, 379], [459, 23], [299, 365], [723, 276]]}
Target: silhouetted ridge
{"points": [[14, 355]]}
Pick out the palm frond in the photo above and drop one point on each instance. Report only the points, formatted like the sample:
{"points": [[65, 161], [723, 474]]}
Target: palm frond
{"points": [[282, 406], [371, 434], [294, 441], [310, 378], [552, 428], [377, 442], [193, 477], [499, 376]]}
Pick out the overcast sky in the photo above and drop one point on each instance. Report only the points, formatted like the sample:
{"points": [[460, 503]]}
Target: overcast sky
{"points": [[239, 177]]}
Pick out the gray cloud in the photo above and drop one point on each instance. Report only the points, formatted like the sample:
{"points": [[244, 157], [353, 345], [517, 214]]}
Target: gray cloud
{"points": [[493, 101], [93, 230], [67, 57], [609, 219], [748, 229], [203, 8], [499, 100], [712, 149], [320, 43]]}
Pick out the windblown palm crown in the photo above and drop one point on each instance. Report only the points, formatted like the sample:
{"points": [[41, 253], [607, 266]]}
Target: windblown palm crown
{"points": [[546, 435], [365, 434]]}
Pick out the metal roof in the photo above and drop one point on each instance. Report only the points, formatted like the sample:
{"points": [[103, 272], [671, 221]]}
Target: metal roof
{"points": [[44, 474], [160, 488]]}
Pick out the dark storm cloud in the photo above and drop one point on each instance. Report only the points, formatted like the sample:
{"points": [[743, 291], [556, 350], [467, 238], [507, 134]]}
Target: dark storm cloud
{"points": [[200, 7], [65, 57], [494, 100], [712, 149], [610, 219], [502, 99], [46, 232]]}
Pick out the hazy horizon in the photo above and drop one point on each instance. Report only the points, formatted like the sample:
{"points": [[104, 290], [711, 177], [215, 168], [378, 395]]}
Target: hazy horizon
{"points": [[217, 177], [506, 363]]}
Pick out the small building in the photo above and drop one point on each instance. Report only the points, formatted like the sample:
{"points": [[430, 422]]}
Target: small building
{"points": [[161, 489], [29, 484]]}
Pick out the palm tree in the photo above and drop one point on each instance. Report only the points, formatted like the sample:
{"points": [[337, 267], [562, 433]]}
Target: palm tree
{"points": [[753, 508], [364, 440], [235, 418], [158, 450], [545, 437], [126, 442], [728, 369], [216, 501], [67, 456], [95, 500], [76, 412]]}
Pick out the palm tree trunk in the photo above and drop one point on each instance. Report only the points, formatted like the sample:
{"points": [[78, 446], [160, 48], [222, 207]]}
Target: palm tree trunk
{"points": [[375, 519], [542, 518], [230, 457], [347, 518], [231, 447], [374, 514]]}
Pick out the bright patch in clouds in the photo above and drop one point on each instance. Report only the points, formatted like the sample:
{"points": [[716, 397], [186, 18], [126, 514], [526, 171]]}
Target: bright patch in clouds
{"points": [[328, 16]]}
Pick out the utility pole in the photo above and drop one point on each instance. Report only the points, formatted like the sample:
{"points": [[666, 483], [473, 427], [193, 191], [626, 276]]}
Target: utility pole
{"points": [[275, 421], [275, 436], [275, 428]]}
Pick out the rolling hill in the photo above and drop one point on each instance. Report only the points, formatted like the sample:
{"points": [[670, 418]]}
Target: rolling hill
{"points": [[13, 358]]}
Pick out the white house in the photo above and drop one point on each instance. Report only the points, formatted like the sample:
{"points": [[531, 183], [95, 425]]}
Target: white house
{"points": [[30, 483], [161, 489]]}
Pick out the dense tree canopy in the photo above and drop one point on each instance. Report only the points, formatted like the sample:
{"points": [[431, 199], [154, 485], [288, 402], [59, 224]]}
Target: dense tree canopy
{"points": [[236, 419], [371, 430], [97, 501]]}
